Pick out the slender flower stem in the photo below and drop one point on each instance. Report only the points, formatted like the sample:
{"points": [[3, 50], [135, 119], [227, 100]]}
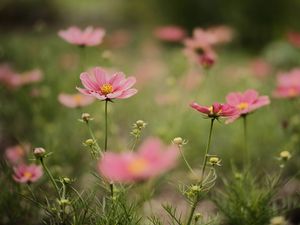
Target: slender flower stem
{"points": [[245, 140], [207, 149], [105, 112], [93, 136], [30, 190], [195, 203], [51, 177], [184, 159]]}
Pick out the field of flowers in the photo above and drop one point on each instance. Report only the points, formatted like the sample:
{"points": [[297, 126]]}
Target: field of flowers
{"points": [[155, 126]]}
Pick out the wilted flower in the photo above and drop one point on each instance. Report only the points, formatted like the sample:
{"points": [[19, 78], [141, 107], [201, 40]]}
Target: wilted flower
{"points": [[150, 160], [75, 100], [246, 102], [88, 37], [288, 85], [216, 110], [105, 87], [27, 173], [15, 154], [170, 33]]}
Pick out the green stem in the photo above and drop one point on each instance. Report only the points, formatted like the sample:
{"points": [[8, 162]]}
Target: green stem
{"points": [[202, 172], [105, 112], [207, 149], [31, 192], [186, 162], [93, 136], [245, 140], [111, 186], [51, 177]]}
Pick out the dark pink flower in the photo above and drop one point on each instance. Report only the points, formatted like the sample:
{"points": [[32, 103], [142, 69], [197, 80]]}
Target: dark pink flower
{"points": [[288, 85], [170, 33], [27, 173], [151, 159], [294, 38], [88, 37], [246, 102], [104, 86], [216, 110], [75, 100]]}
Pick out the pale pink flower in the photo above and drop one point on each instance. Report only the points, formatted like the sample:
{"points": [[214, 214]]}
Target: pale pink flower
{"points": [[288, 85], [88, 37], [216, 110], [15, 154], [29, 77], [246, 102], [27, 173], [151, 159], [170, 33], [103, 86], [294, 38], [75, 100], [260, 68]]}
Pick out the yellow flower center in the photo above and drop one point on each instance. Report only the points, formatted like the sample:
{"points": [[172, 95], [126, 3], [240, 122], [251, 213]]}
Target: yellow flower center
{"points": [[137, 166], [27, 175], [243, 105], [77, 98], [211, 110], [106, 89]]}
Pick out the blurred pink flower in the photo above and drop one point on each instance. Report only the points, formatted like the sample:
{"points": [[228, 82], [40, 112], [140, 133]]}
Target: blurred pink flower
{"points": [[15, 154], [170, 33], [288, 85], [105, 87], [294, 38], [75, 100], [207, 60], [27, 173], [246, 102], [151, 159], [260, 68], [216, 110], [88, 37], [14, 80]]}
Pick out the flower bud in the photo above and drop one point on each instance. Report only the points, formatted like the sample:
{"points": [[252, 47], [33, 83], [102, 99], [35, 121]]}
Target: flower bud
{"points": [[285, 155], [66, 180], [215, 160], [140, 124], [197, 216], [39, 152], [89, 142]]}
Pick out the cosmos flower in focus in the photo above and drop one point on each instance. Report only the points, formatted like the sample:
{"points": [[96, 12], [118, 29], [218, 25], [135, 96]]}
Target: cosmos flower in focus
{"points": [[216, 110], [103, 86], [150, 160], [88, 37]]}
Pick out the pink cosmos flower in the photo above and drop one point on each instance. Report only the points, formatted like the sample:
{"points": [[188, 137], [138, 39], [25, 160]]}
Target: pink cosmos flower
{"points": [[216, 110], [27, 173], [75, 100], [15, 154], [106, 87], [88, 37], [151, 159], [246, 102], [170, 33], [260, 68], [288, 85]]}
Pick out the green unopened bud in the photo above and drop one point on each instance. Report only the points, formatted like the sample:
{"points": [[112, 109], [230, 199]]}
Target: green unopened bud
{"points": [[285, 155], [178, 141], [140, 124], [64, 201], [89, 142], [197, 217], [215, 160], [195, 188], [66, 180], [39, 152]]}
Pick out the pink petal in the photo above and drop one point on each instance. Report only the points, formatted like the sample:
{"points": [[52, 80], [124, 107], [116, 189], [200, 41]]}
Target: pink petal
{"points": [[128, 93]]}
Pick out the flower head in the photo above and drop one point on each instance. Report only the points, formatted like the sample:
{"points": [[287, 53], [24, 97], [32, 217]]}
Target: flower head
{"points": [[246, 102], [88, 37], [288, 85], [170, 33], [27, 173], [150, 160], [75, 100], [15, 154], [216, 110], [105, 87]]}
